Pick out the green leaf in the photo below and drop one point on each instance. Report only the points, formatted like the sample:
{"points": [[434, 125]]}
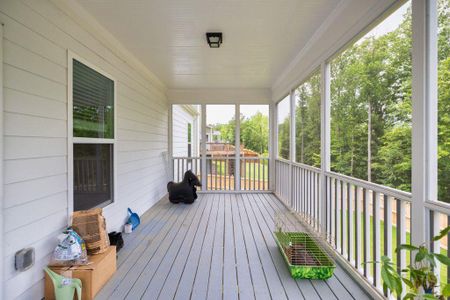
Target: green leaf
{"points": [[390, 277], [421, 254], [442, 233], [419, 257], [410, 296], [443, 259], [406, 247], [408, 282], [430, 259]]}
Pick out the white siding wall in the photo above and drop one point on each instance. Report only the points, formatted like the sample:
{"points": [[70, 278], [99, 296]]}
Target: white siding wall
{"points": [[181, 118], [37, 36]]}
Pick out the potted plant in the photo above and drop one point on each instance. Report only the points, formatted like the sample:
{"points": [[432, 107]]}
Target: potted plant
{"points": [[419, 276]]}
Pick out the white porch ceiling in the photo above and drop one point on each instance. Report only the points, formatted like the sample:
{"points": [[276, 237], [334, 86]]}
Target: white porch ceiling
{"points": [[261, 37]]}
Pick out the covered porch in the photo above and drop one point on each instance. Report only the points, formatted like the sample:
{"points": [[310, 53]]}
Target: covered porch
{"points": [[102, 104], [220, 247]]}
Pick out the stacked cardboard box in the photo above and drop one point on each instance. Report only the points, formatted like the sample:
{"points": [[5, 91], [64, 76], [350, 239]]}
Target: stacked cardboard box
{"points": [[93, 275], [91, 226]]}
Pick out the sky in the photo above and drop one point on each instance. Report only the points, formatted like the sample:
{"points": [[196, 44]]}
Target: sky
{"points": [[390, 23], [224, 113]]}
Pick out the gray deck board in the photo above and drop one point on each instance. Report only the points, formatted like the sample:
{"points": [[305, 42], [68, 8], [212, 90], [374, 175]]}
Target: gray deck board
{"points": [[335, 284], [305, 286], [221, 247], [259, 280], [216, 267], [245, 284], [186, 261], [175, 256], [230, 287], [266, 227], [200, 286], [186, 283], [164, 255]]}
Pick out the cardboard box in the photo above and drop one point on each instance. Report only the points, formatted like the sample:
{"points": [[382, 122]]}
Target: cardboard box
{"points": [[91, 226], [93, 276]]}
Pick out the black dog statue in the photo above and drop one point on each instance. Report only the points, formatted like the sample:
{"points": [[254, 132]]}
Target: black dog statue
{"points": [[184, 191]]}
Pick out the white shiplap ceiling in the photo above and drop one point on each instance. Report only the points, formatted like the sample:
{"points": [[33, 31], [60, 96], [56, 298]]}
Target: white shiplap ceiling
{"points": [[168, 36]]}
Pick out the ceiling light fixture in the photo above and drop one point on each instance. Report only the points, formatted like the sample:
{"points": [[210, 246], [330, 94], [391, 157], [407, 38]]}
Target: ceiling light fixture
{"points": [[214, 39]]}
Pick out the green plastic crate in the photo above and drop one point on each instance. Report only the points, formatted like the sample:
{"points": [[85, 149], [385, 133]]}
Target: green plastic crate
{"points": [[309, 260]]}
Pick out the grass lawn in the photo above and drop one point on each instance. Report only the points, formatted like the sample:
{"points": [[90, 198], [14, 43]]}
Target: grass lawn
{"points": [[262, 170]]}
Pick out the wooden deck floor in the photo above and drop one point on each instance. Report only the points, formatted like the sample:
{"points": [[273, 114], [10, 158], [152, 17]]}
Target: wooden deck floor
{"points": [[221, 247]]}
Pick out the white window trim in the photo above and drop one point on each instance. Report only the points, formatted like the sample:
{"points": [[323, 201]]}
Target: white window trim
{"points": [[74, 140]]}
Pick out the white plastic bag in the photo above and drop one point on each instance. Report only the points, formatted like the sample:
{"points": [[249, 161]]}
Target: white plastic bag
{"points": [[71, 250]]}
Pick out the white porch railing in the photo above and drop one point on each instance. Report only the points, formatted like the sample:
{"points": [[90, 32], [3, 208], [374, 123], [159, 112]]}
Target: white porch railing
{"points": [[254, 173], [359, 219], [182, 164], [221, 174]]}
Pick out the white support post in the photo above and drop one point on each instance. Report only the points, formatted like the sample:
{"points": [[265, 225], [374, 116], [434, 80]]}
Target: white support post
{"points": [[424, 114], [170, 141], [237, 143], [325, 105], [401, 238], [273, 145], [292, 147], [436, 245], [203, 148]]}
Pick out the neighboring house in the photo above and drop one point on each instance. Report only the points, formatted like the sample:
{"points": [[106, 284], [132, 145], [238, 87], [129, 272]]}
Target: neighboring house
{"points": [[186, 130], [209, 133]]}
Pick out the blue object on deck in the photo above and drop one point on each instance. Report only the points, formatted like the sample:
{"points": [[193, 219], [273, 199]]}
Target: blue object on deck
{"points": [[133, 219]]}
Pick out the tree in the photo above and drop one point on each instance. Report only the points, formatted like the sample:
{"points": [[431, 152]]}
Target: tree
{"points": [[307, 118], [255, 133], [371, 107], [444, 100], [283, 138]]}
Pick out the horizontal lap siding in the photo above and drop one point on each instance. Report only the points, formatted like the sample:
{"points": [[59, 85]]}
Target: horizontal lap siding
{"points": [[36, 38], [180, 130]]}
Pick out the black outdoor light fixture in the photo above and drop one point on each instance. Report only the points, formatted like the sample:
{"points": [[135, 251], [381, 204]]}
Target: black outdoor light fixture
{"points": [[214, 39]]}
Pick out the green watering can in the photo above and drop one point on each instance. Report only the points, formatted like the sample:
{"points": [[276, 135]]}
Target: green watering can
{"points": [[64, 287]]}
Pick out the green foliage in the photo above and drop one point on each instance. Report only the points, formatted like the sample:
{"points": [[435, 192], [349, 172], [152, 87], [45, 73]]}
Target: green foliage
{"points": [[283, 138], [307, 118], [93, 121], [227, 131], [419, 276], [444, 100], [373, 78], [254, 132]]}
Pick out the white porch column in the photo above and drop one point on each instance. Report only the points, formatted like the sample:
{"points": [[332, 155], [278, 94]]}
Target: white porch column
{"points": [[273, 145], [203, 147], [424, 114], [325, 136], [237, 144], [292, 149], [170, 141]]}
